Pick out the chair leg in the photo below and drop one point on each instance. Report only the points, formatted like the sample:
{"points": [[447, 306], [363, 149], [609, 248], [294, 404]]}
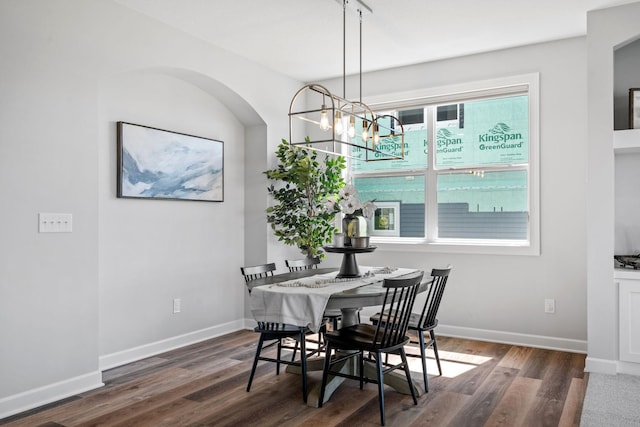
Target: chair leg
{"points": [[423, 356], [435, 350], [255, 361], [380, 386], [295, 349], [361, 369], [303, 365], [403, 355], [325, 374], [278, 355]]}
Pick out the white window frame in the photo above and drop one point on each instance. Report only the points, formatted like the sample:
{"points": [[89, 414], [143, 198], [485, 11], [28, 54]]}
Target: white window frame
{"points": [[527, 83]]}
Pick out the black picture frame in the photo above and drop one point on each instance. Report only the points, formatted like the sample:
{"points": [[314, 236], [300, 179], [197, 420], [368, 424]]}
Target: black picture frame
{"points": [[634, 108]]}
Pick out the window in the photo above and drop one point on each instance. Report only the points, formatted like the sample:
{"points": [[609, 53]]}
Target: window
{"points": [[468, 181]]}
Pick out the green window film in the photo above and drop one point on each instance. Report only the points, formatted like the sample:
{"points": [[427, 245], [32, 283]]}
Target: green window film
{"points": [[400, 201], [415, 146], [485, 132], [483, 205]]}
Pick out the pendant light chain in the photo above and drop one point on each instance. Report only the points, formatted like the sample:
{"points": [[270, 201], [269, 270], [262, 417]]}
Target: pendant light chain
{"points": [[329, 117], [360, 14], [344, 49]]}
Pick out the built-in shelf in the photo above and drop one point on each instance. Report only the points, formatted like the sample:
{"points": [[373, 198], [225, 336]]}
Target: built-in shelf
{"points": [[626, 141], [626, 273]]}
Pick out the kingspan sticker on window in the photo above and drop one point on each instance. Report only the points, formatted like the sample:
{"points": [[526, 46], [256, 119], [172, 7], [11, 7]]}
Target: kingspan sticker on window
{"points": [[496, 131]]}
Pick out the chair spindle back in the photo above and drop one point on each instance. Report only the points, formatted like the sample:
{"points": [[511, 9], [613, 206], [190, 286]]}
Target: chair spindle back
{"points": [[257, 271], [434, 297], [302, 264], [398, 303]]}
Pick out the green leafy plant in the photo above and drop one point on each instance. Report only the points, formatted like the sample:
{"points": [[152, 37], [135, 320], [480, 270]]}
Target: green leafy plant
{"points": [[306, 191]]}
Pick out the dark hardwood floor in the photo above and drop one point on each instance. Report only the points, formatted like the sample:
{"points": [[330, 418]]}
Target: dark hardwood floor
{"points": [[483, 384]]}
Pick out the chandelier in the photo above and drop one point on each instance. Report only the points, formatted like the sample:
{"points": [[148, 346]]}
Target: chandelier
{"points": [[330, 123]]}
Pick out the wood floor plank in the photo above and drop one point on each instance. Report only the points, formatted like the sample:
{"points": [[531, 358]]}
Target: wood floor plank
{"points": [[538, 363], [107, 399], [204, 384], [472, 379], [546, 412], [439, 409], [573, 404], [518, 400], [516, 357], [486, 398], [136, 411]]}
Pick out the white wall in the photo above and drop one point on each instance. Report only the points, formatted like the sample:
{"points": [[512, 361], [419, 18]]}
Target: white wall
{"points": [[607, 30], [77, 302], [154, 251], [502, 297]]}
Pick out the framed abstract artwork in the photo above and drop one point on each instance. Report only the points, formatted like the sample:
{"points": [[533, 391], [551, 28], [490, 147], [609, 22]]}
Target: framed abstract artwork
{"points": [[160, 164]]}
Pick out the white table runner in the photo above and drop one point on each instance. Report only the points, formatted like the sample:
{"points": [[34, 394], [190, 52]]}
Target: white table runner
{"points": [[302, 301]]}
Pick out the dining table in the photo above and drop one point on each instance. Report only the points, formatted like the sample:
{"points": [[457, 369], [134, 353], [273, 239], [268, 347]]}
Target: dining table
{"points": [[300, 298]]}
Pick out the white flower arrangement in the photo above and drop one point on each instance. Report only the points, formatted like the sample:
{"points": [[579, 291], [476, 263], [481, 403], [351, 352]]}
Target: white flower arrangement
{"points": [[350, 204]]}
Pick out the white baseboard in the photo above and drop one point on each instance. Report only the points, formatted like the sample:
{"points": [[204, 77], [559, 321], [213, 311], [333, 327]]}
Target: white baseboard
{"points": [[628, 368], [120, 358], [34, 398], [537, 341], [601, 366]]}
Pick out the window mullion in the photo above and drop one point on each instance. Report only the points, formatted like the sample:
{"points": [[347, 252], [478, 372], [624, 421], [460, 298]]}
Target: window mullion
{"points": [[431, 187]]}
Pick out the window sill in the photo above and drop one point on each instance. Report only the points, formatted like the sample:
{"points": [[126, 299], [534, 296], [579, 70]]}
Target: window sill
{"points": [[455, 247]]}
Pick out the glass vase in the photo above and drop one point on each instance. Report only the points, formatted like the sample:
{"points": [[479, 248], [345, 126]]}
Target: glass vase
{"points": [[353, 226]]}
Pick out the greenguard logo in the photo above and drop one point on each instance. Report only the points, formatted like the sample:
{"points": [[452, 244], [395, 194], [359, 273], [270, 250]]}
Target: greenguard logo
{"points": [[447, 142], [501, 137]]}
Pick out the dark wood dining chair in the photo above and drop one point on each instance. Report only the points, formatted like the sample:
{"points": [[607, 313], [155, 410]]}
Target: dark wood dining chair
{"points": [[302, 264], [426, 321], [257, 271], [388, 336], [274, 333], [331, 315]]}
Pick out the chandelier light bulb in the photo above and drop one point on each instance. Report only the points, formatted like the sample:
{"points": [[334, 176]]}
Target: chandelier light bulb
{"points": [[352, 127], [365, 134], [338, 122], [324, 120]]}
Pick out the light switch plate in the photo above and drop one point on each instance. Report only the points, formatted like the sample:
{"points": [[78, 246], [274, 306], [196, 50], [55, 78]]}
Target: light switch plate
{"points": [[55, 222]]}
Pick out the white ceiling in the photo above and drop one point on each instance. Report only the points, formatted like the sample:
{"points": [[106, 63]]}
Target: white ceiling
{"points": [[303, 38]]}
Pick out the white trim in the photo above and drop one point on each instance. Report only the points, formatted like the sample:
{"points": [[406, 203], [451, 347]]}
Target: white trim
{"points": [[473, 89], [628, 368], [34, 398], [421, 245], [536, 341], [123, 357], [502, 86], [600, 366]]}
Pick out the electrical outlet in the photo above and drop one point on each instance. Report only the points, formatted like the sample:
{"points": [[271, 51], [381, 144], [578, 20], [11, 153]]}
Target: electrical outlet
{"points": [[177, 305], [550, 306]]}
